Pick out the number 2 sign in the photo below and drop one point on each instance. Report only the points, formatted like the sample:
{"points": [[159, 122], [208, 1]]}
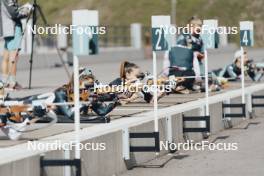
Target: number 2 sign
{"points": [[246, 33], [159, 39]]}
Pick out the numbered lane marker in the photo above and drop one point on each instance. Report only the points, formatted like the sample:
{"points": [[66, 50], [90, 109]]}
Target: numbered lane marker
{"points": [[246, 33], [80, 40], [160, 26], [209, 33], [246, 39], [209, 36], [84, 37]]}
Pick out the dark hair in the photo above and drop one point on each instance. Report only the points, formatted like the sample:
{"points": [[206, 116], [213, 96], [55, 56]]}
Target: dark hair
{"points": [[126, 67], [194, 19]]}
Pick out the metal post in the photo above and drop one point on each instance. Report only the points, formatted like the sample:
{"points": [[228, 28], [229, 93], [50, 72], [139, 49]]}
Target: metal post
{"points": [[169, 129], [34, 20], [206, 84], [202, 124], [242, 76], [249, 105], [76, 107], [156, 125], [227, 110], [67, 169], [126, 146]]}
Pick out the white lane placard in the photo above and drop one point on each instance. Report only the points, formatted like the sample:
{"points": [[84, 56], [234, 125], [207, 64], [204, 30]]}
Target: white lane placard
{"points": [[160, 25]]}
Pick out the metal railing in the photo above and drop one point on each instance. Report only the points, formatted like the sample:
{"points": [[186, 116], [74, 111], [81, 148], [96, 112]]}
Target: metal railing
{"points": [[20, 151]]}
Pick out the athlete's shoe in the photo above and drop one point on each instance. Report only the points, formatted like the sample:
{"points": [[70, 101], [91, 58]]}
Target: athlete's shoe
{"points": [[11, 133], [17, 86], [14, 130]]}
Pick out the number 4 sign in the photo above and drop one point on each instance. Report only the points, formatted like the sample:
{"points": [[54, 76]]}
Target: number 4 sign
{"points": [[246, 33], [159, 36]]}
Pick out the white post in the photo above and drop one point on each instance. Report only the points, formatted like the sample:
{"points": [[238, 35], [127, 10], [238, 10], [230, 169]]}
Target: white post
{"points": [[126, 146], [169, 129], [202, 124], [78, 19], [206, 84], [135, 34], [249, 103], [242, 76], [227, 110], [67, 169], [209, 42], [76, 107], [159, 44], [156, 124], [246, 39]]}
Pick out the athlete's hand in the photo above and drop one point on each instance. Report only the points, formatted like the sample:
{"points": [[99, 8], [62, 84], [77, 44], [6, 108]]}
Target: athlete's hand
{"points": [[200, 56]]}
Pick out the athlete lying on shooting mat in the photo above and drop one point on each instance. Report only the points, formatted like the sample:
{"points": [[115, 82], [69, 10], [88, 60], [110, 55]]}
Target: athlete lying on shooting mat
{"points": [[130, 75], [233, 71], [16, 114], [137, 84], [94, 102]]}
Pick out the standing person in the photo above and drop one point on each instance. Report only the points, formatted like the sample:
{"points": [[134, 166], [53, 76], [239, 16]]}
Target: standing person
{"points": [[192, 60], [193, 40], [11, 14]]}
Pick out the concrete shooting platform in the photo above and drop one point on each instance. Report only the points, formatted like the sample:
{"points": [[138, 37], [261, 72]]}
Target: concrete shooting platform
{"points": [[137, 117]]}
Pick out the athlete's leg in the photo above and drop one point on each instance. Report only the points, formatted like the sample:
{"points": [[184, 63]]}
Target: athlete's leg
{"points": [[13, 67], [5, 65]]}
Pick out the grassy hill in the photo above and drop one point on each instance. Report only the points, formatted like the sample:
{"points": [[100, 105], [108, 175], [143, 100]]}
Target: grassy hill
{"points": [[124, 12]]}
